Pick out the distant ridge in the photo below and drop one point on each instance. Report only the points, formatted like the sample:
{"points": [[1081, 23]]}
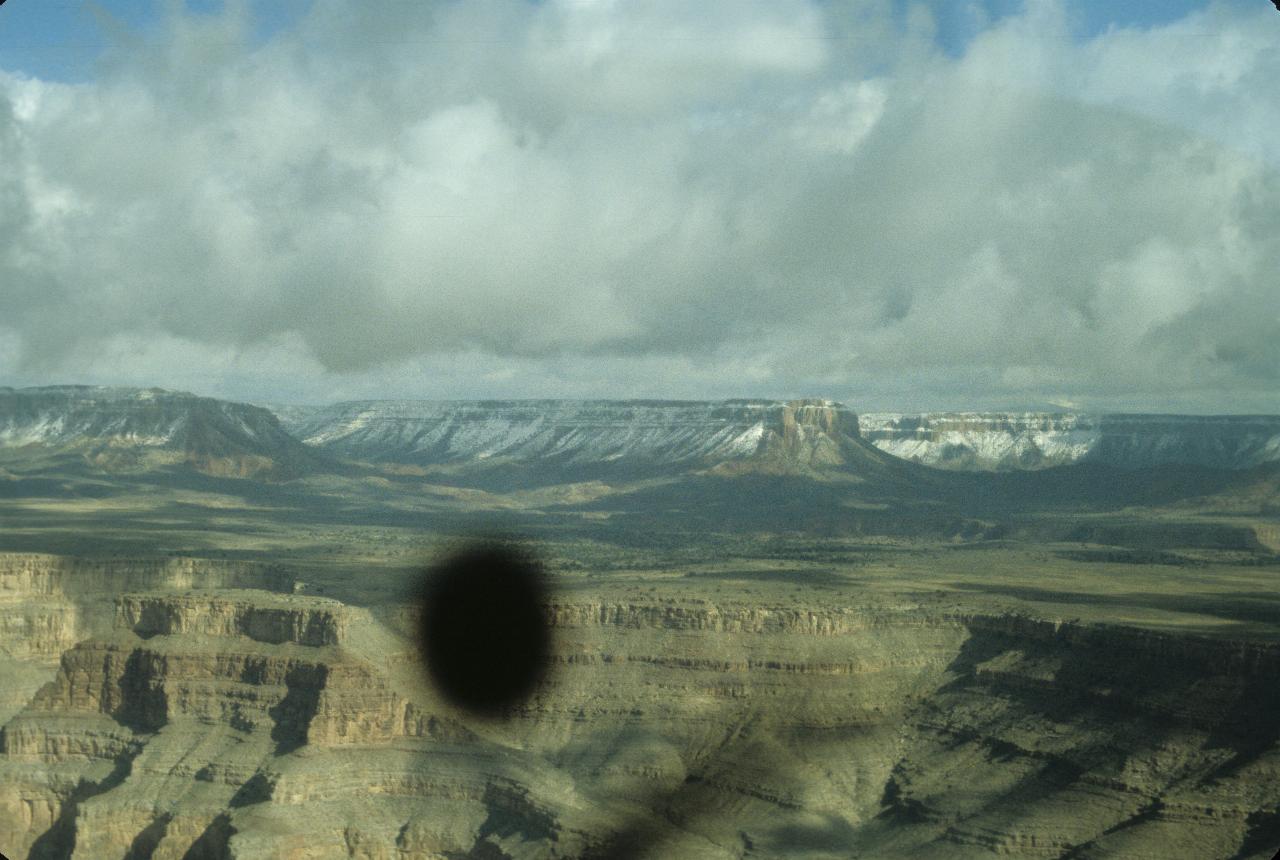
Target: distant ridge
{"points": [[974, 441], [134, 429], [577, 434], [683, 432]]}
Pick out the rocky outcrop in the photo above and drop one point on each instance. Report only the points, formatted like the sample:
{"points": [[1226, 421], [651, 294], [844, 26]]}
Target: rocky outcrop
{"points": [[176, 714], [260, 617], [811, 434], [48, 603], [1002, 440], [255, 725]]}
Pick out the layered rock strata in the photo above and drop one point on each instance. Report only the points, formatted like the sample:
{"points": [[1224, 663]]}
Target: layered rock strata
{"points": [[227, 726], [48, 603], [149, 736]]}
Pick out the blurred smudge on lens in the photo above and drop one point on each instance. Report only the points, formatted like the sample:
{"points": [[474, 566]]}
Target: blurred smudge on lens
{"points": [[484, 632]]}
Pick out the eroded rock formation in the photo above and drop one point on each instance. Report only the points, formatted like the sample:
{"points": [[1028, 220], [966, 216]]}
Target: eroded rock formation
{"points": [[251, 724]]}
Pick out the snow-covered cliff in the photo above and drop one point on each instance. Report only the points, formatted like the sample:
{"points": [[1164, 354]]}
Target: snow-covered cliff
{"points": [[1010, 440], [670, 433]]}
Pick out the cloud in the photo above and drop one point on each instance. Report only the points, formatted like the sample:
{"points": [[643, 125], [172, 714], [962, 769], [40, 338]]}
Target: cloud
{"points": [[654, 198]]}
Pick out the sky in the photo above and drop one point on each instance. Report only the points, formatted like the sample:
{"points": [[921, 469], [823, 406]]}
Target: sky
{"points": [[902, 206]]}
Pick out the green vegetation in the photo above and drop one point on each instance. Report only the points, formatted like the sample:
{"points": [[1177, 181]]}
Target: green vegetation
{"points": [[363, 538]]}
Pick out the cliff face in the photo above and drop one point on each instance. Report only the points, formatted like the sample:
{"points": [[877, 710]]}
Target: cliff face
{"points": [[1035, 440], [256, 616], [81, 591], [811, 433], [130, 428], [155, 732], [48, 603], [255, 725]]}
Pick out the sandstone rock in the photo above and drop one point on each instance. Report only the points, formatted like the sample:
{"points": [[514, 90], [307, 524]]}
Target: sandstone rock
{"points": [[257, 724]]}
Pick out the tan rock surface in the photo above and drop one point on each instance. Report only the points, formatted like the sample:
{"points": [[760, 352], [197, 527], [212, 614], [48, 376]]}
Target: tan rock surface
{"points": [[251, 724]]}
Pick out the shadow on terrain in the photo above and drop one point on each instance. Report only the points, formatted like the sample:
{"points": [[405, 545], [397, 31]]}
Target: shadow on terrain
{"points": [[59, 840], [1089, 485], [1263, 836], [292, 716], [212, 843], [1099, 685], [1256, 607], [670, 813], [835, 834], [148, 839]]}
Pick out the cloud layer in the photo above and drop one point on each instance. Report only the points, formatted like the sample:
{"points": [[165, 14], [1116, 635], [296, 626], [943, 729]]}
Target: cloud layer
{"points": [[661, 198]]}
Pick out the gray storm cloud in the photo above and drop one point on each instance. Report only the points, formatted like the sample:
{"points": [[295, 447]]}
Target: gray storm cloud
{"points": [[778, 195]]}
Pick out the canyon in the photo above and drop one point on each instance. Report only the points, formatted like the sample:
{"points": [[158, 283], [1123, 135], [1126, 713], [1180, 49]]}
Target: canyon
{"points": [[200, 721], [771, 637]]}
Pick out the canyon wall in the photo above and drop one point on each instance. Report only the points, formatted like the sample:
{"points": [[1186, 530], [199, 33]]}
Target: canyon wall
{"points": [[249, 724], [48, 603]]}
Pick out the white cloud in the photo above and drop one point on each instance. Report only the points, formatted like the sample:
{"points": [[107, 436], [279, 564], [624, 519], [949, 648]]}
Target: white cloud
{"points": [[841, 117], [653, 198]]}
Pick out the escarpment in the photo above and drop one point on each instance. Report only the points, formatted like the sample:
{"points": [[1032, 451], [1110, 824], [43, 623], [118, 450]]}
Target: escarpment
{"points": [[158, 729], [48, 603], [260, 617], [91, 584], [245, 723]]}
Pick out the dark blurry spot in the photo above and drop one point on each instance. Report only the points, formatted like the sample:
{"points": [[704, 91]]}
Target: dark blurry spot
{"points": [[485, 634]]}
